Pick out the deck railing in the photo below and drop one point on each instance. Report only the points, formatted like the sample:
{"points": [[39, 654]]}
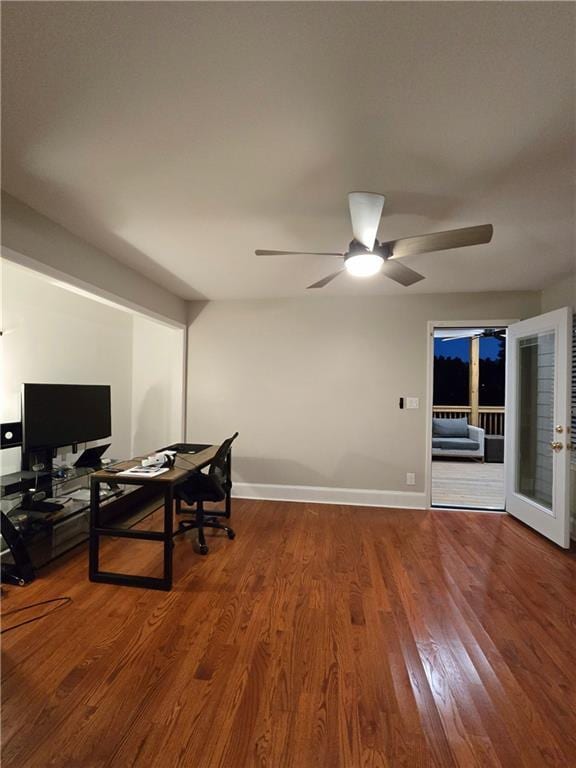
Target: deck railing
{"points": [[490, 418]]}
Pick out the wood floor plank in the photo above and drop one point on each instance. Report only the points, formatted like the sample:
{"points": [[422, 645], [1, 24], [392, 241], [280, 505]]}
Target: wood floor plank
{"points": [[324, 636], [509, 705], [468, 484]]}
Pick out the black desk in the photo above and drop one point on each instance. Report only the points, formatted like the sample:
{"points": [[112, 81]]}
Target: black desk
{"points": [[168, 481]]}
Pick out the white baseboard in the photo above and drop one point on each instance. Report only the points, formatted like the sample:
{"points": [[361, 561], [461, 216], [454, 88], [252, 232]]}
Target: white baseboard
{"points": [[320, 495]]}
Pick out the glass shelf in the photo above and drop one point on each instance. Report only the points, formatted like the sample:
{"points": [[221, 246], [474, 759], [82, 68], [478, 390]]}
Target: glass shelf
{"points": [[48, 535]]}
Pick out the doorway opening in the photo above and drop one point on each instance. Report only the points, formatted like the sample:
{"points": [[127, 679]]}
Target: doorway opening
{"points": [[468, 417]]}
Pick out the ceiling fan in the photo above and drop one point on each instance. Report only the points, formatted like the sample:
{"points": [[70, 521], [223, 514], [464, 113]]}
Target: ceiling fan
{"points": [[451, 334], [366, 256]]}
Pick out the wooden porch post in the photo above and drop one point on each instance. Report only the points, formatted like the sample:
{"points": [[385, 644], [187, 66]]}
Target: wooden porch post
{"points": [[474, 379]]}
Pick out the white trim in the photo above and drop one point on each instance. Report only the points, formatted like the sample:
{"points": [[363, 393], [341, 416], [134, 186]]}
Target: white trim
{"points": [[349, 496], [480, 511], [490, 323], [432, 324], [184, 424], [321, 495]]}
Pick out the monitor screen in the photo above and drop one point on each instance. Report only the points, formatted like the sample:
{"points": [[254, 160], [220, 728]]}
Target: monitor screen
{"points": [[55, 415]]}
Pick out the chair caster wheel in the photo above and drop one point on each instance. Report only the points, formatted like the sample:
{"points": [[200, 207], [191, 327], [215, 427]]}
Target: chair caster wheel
{"points": [[203, 549], [231, 535]]}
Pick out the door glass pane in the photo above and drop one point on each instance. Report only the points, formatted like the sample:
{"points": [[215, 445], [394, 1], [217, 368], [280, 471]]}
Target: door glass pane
{"points": [[535, 417]]}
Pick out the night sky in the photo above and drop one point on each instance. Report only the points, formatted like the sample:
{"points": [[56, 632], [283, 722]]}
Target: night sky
{"points": [[461, 348]]}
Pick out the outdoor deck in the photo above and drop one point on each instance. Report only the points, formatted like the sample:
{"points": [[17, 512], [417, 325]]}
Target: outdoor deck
{"points": [[467, 484]]}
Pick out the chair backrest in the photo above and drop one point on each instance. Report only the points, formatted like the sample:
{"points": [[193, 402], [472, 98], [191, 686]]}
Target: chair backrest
{"points": [[218, 472]]}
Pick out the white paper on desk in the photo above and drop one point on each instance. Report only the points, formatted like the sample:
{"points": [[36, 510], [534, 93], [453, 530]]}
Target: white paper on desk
{"points": [[143, 471]]}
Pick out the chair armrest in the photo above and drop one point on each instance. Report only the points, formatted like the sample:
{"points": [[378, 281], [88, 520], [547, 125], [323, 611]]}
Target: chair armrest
{"points": [[477, 433]]}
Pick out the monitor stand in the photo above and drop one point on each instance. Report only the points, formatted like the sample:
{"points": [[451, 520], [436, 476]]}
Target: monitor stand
{"points": [[44, 456], [35, 456]]}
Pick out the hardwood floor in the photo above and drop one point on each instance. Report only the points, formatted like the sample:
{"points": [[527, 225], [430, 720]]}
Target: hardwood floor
{"points": [[322, 637], [469, 484]]}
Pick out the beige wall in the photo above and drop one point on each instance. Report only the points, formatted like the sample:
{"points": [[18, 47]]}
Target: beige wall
{"points": [[313, 384], [37, 238], [54, 336], [157, 385], [561, 293]]}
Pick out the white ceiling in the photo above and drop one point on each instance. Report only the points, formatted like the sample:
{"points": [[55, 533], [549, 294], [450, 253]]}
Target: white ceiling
{"points": [[179, 137]]}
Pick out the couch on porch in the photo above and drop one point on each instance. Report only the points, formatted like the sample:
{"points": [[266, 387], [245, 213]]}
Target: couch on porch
{"points": [[455, 437]]}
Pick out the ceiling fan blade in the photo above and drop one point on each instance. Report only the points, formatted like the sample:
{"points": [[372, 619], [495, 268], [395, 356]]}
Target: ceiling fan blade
{"points": [[450, 334], [439, 241], [404, 275], [326, 280], [365, 212], [461, 338], [454, 333], [295, 253]]}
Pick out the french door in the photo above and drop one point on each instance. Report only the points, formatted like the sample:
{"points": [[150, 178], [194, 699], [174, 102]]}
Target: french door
{"points": [[538, 439]]}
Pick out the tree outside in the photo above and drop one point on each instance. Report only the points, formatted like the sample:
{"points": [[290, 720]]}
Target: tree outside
{"points": [[452, 370]]}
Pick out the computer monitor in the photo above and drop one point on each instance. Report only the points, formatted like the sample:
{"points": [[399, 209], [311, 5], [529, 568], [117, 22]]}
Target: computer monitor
{"points": [[56, 415]]}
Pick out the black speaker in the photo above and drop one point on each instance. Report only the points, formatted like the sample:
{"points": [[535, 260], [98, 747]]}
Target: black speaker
{"points": [[11, 434]]}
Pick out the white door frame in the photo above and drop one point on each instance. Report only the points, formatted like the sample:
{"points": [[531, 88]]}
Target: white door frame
{"points": [[432, 324]]}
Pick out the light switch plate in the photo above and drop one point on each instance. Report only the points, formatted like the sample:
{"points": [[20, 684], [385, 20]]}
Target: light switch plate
{"points": [[412, 402]]}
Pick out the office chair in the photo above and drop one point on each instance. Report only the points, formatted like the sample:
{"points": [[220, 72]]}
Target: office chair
{"points": [[200, 488]]}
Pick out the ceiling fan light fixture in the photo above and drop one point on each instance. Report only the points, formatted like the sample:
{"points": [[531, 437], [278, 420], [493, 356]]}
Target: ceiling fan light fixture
{"points": [[364, 264], [366, 256]]}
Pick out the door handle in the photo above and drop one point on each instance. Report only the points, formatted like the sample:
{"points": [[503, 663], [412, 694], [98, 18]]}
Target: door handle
{"points": [[556, 445]]}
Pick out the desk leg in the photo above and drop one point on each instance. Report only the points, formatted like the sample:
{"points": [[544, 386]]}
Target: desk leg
{"points": [[94, 539], [125, 579], [168, 534]]}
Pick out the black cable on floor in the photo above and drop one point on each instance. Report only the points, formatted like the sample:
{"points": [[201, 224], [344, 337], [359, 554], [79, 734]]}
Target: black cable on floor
{"points": [[62, 600]]}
